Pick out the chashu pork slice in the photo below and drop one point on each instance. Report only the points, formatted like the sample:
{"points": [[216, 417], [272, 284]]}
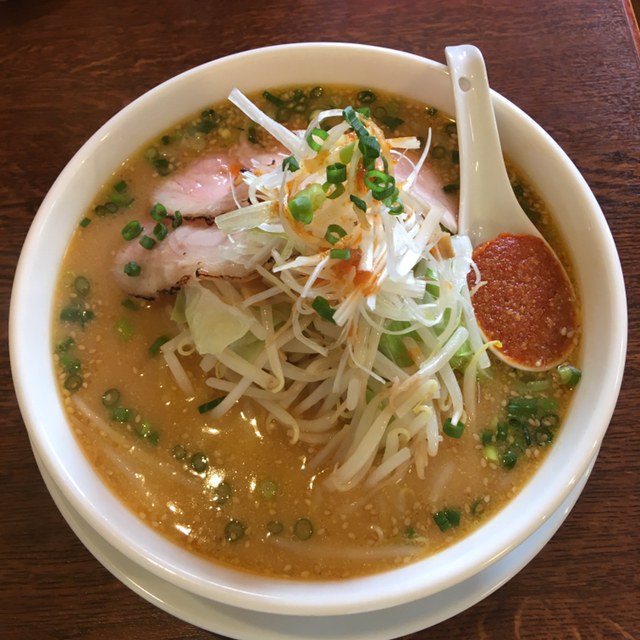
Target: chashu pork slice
{"points": [[213, 184], [190, 251]]}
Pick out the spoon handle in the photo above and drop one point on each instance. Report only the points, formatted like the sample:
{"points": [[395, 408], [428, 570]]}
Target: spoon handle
{"points": [[487, 203]]}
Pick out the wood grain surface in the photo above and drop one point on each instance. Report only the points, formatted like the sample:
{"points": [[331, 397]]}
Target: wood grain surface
{"points": [[66, 66]]}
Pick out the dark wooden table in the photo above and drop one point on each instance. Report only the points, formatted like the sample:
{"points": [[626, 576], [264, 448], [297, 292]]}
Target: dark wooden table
{"points": [[66, 66]]}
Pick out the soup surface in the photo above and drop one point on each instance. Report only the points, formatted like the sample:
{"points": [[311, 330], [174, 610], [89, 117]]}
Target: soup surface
{"points": [[237, 479]]}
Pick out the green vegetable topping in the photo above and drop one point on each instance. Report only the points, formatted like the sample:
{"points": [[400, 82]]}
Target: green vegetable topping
{"points": [[447, 518], [340, 254], [147, 242], [199, 462], [110, 397], [131, 230], [208, 406], [73, 382], [82, 286], [453, 430], [158, 212], [132, 269], [303, 529], [322, 307], [570, 376], [334, 233], [154, 349], [234, 530]]}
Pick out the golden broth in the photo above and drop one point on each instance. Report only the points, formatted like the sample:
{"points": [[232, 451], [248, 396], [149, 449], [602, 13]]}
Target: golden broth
{"points": [[260, 504]]}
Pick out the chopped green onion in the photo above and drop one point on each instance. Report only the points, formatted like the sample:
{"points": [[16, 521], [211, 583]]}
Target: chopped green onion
{"points": [[548, 405], [161, 165], [370, 149], [132, 269], [346, 153], [322, 307], [111, 207], [447, 518], [69, 363], [85, 222], [301, 209], [150, 153], [121, 186], [179, 452], [303, 529], [570, 376], [455, 156], [317, 133], [100, 210], [82, 286], [451, 188], [432, 111], [165, 140], [269, 489], [490, 453], [543, 436], [274, 527], [158, 212], [222, 493], [234, 530], [73, 382], [502, 430], [487, 438], [147, 242], [522, 408], [131, 230], [438, 152], [154, 349], [251, 135], [478, 507], [121, 414], [124, 328], [410, 532], [177, 219], [451, 128], [382, 185], [127, 303], [366, 97], [340, 254], [365, 111], [160, 231], [283, 114], [334, 233], [208, 406], [199, 462], [509, 459], [272, 99], [550, 420], [392, 122], [351, 117], [64, 345], [290, 164], [336, 173], [316, 92], [453, 430], [315, 193], [337, 191], [110, 397], [359, 202]]}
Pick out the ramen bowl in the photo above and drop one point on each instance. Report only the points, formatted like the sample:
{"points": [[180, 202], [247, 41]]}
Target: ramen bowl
{"points": [[577, 214]]}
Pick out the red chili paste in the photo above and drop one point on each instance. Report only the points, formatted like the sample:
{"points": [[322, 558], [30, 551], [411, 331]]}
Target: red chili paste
{"points": [[527, 302]]}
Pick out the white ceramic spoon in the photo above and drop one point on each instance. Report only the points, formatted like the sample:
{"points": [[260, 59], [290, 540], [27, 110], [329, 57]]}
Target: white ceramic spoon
{"points": [[488, 208]]}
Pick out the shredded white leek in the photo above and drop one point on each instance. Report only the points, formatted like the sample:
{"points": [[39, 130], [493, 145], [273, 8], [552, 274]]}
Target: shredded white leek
{"points": [[348, 332]]}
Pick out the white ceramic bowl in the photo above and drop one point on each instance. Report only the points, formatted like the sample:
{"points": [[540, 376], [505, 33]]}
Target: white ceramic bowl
{"points": [[576, 211]]}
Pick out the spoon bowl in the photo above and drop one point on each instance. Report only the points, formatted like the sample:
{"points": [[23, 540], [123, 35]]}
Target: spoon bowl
{"points": [[525, 305]]}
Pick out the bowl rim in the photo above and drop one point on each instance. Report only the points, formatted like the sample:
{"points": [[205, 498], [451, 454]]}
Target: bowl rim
{"points": [[336, 596]]}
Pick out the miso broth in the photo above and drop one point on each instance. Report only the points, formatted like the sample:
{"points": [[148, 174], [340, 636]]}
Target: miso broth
{"points": [[236, 489]]}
